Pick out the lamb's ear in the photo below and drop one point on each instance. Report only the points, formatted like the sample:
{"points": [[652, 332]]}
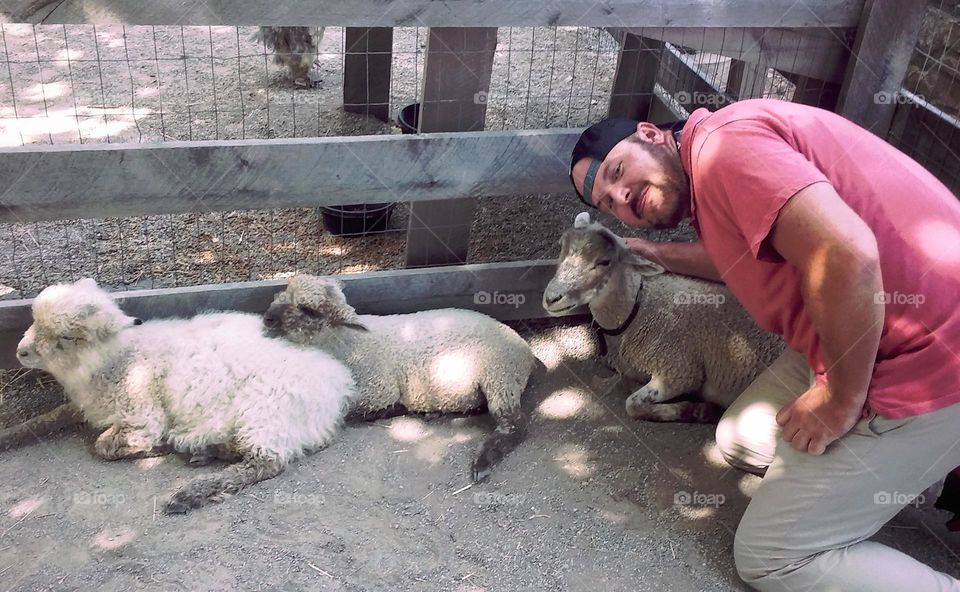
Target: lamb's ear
{"points": [[310, 311], [641, 263], [582, 220], [86, 283]]}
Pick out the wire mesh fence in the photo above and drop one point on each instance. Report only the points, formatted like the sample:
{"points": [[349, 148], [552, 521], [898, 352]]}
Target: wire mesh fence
{"points": [[114, 84], [926, 122]]}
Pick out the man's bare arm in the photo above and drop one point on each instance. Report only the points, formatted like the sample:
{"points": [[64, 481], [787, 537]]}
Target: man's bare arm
{"points": [[836, 253], [682, 258]]}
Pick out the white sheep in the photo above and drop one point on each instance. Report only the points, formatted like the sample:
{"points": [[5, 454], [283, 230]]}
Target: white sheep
{"points": [[210, 384], [674, 334], [448, 360]]}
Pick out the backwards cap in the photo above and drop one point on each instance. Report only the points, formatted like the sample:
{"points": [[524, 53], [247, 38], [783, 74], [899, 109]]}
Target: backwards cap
{"points": [[597, 141]]}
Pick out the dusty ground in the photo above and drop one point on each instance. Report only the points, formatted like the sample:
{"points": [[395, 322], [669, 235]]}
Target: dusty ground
{"points": [[586, 503]]}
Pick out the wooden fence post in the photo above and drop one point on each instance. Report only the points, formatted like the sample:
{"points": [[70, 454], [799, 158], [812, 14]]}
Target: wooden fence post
{"points": [[457, 70], [636, 74], [881, 52], [366, 71]]}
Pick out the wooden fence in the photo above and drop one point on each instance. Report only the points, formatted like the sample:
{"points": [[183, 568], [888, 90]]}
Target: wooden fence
{"points": [[452, 162]]}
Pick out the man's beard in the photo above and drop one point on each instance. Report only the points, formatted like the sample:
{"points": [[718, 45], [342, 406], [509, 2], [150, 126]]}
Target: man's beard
{"points": [[674, 191]]}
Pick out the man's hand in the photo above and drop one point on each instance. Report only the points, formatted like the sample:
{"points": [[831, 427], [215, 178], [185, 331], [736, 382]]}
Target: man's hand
{"points": [[816, 419], [677, 257]]}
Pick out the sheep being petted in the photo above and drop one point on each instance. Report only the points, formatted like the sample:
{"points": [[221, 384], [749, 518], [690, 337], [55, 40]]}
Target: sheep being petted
{"points": [[448, 360], [212, 383], [674, 334]]}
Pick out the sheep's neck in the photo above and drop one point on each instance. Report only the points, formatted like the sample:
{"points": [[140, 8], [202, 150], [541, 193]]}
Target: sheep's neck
{"points": [[612, 305], [78, 373], [338, 341]]}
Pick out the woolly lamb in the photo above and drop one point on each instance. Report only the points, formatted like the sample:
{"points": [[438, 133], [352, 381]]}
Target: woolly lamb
{"points": [[676, 334], [210, 384], [295, 48], [431, 361]]}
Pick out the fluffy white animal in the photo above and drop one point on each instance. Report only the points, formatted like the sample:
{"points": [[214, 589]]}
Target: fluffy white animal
{"points": [[448, 360], [675, 335], [213, 384]]}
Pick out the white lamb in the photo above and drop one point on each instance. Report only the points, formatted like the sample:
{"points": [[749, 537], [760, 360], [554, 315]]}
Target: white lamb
{"points": [[448, 360], [674, 334], [211, 384]]}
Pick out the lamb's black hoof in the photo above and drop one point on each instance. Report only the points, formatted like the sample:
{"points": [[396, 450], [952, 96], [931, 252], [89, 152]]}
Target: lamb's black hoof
{"points": [[480, 471]]}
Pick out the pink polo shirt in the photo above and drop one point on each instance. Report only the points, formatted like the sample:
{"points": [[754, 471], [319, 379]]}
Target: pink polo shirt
{"points": [[747, 160]]}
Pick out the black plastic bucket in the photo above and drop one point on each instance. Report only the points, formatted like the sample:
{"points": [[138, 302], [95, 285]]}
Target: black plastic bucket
{"points": [[409, 118], [357, 220], [360, 219]]}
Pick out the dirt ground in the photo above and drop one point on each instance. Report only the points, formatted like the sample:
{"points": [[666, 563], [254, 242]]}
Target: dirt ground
{"points": [[588, 502]]}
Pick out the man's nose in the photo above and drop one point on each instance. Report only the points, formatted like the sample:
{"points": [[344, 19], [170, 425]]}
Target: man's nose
{"points": [[622, 195]]}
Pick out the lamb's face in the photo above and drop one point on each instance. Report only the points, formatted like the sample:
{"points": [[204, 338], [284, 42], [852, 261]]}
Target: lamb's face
{"points": [[309, 306], [586, 258], [66, 319]]}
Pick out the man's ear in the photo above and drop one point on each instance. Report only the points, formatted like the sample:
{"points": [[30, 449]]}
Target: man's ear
{"points": [[647, 132], [642, 264]]}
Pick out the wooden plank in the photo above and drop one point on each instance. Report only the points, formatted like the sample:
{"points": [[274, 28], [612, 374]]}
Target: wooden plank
{"points": [[97, 181], [635, 77], [506, 291], [457, 70], [815, 52], [440, 13], [684, 84], [746, 80], [368, 52], [885, 41], [930, 136], [810, 91]]}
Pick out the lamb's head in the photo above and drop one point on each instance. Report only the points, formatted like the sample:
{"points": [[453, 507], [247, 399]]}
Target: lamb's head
{"points": [[67, 319], [590, 255], [309, 306]]}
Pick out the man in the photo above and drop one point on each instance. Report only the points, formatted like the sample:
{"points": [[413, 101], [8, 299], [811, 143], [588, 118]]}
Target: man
{"points": [[834, 239]]}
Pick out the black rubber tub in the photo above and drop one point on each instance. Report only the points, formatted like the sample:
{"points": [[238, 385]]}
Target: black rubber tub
{"points": [[361, 219]]}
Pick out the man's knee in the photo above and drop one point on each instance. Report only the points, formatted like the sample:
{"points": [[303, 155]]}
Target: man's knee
{"points": [[739, 449]]}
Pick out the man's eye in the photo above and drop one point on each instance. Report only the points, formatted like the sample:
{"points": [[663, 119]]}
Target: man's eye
{"points": [[619, 170]]}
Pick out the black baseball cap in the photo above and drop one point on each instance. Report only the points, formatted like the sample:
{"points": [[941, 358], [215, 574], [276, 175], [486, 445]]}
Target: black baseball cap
{"points": [[598, 140]]}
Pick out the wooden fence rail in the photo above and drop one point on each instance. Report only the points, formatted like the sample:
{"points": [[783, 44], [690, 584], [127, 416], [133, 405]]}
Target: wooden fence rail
{"points": [[506, 291], [44, 182], [441, 13]]}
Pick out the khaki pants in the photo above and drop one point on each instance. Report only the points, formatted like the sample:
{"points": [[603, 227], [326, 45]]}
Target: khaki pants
{"points": [[807, 524]]}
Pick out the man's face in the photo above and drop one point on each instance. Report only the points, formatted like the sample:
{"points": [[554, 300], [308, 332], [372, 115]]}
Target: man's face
{"points": [[641, 181]]}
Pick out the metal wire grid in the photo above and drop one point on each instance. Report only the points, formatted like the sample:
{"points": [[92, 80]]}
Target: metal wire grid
{"points": [[119, 84], [927, 115]]}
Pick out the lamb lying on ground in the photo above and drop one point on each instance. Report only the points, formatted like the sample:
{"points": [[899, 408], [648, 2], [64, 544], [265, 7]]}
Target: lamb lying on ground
{"points": [[432, 361], [210, 384], [675, 334]]}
